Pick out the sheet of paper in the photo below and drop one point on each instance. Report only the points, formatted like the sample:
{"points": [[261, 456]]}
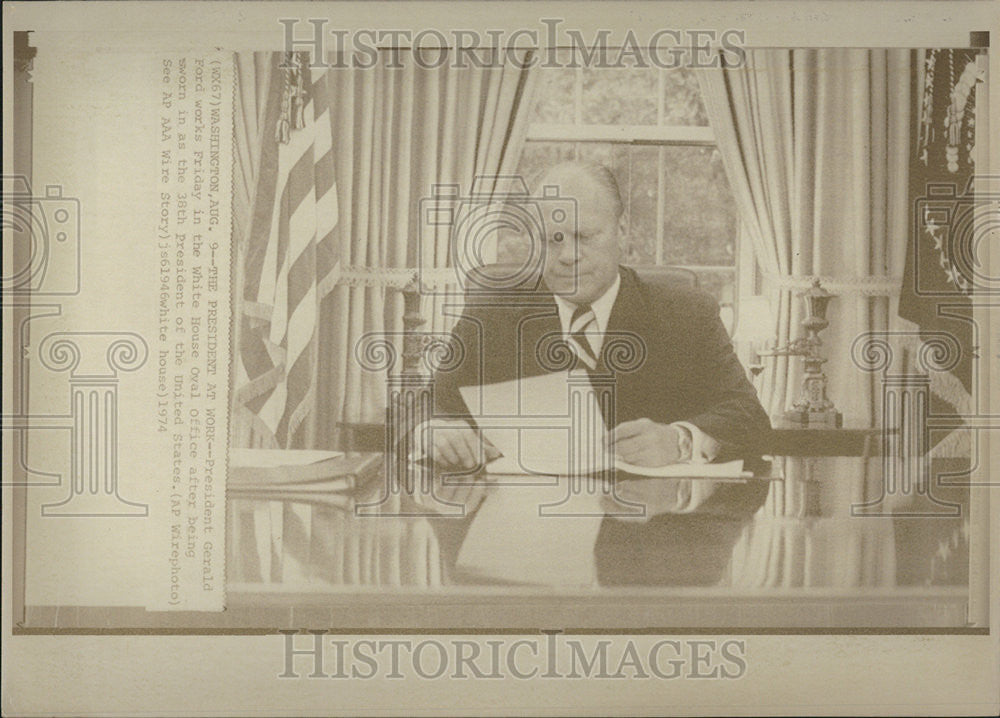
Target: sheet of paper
{"points": [[276, 458], [549, 424], [687, 470], [510, 465], [553, 543], [545, 396]]}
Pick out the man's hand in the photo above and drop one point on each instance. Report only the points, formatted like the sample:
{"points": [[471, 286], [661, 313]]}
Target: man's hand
{"points": [[644, 442], [455, 443]]}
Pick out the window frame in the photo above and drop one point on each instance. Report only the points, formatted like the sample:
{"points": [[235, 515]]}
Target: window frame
{"points": [[625, 134], [662, 136]]}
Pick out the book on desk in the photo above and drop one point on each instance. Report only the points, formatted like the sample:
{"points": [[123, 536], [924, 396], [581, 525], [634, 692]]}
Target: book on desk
{"points": [[303, 476]]}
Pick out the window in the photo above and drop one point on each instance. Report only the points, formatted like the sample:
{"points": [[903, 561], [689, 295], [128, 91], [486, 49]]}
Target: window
{"points": [[649, 126]]}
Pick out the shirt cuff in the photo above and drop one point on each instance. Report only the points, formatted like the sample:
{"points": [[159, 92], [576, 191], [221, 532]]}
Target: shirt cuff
{"points": [[695, 445], [699, 448]]}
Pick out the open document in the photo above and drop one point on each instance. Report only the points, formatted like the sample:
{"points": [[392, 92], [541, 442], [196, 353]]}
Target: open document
{"points": [[552, 425]]}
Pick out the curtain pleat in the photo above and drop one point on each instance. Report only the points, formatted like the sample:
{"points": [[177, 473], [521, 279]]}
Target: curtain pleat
{"points": [[815, 145], [397, 132]]}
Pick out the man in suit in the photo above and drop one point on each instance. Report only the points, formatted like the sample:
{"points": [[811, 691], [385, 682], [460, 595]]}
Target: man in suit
{"points": [[689, 400]]}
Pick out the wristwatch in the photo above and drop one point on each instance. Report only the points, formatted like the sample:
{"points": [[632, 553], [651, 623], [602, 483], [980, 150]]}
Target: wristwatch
{"points": [[685, 441]]}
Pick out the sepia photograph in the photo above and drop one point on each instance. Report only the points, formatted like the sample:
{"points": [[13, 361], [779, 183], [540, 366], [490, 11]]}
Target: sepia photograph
{"points": [[563, 344], [493, 238]]}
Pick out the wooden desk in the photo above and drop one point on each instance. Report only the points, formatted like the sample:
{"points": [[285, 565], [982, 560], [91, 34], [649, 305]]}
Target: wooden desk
{"points": [[794, 441], [391, 574], [315, 566], [779, 441]]}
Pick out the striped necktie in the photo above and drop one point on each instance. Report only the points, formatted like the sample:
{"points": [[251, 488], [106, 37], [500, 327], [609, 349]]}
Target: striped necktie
{"points": [[583, 318]]}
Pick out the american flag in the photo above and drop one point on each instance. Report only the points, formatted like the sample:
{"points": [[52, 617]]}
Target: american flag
{"points": [[935, 294], [291, 257]]}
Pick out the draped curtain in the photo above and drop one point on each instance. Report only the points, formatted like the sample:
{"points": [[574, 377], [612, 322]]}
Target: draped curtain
{"points": [[396, 132], [398, 129], [815, 144], [400, 132]]}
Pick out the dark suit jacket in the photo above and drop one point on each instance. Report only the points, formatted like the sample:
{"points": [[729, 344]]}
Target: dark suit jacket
{"points": [[690, 373]]}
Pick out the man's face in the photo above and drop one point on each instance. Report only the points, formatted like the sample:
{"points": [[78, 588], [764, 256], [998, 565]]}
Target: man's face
{"points": [[582, 252]]}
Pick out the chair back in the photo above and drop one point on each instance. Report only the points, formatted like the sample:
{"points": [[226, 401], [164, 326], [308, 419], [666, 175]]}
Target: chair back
{"points": [[669, 276]]}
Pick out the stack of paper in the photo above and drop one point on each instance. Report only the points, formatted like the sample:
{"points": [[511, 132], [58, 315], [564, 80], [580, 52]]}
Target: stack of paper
{"points": [[301, 476]]}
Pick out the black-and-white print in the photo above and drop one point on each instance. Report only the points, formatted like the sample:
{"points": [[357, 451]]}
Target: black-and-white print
{"points": [[554, 343]]}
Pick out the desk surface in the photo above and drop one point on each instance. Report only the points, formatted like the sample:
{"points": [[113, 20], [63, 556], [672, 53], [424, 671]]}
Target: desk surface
{"points": [[284, 546], [293, 565], [779, 441], [797, 441]]}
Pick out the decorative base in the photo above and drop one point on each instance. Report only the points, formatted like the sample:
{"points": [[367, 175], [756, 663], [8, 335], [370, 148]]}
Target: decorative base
{"points": [[829, 419]]}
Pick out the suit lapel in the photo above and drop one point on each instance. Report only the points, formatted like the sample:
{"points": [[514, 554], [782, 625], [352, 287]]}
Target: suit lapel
{"points": [[539, 317], [651, 387], [629, 313]]}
